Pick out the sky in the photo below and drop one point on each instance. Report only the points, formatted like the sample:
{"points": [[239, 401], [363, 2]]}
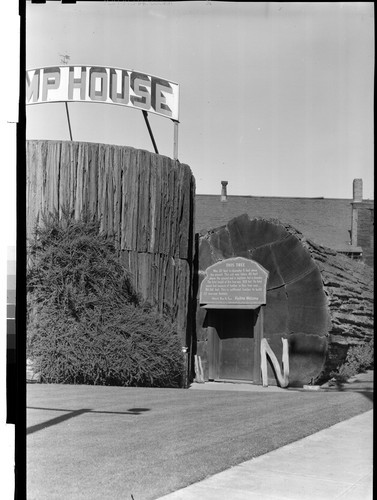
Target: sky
{"points": [[276, 98]]}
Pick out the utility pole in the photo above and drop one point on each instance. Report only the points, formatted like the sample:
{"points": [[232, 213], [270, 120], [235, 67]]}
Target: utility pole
{"points": [[64, 60]]}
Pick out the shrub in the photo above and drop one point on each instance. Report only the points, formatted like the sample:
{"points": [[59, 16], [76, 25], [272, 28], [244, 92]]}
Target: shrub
{"points": [[71, 265], [359, 358], [86, 323]]}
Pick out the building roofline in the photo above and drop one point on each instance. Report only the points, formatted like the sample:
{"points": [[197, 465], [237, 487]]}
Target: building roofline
{"points": [[281, 197]]}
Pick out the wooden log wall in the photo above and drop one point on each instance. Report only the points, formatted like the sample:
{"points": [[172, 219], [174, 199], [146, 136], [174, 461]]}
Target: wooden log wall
{"points": [[144, 200]]}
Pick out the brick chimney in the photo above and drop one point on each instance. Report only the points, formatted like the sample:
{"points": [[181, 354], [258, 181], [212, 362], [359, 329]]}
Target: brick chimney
{"points": [[357, 190], [357, 198], [224, 195]]}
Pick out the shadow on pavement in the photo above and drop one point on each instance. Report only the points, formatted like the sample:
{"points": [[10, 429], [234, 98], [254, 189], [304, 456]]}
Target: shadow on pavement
{"points": [[76, 413]]}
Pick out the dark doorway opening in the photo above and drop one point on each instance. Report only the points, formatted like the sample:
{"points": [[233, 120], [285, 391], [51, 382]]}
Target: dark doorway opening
{"points": [[232, 344]]}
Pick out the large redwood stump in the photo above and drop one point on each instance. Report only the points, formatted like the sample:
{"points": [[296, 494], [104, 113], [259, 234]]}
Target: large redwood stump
{"points": [[144, 200], [319, 300]]}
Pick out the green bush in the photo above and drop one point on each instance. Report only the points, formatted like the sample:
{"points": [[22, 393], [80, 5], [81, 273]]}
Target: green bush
{"points": [[359, 358], [86, 323]]}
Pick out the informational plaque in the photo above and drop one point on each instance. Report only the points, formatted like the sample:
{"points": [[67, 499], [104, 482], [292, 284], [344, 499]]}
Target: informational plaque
{"points": [[235, 283]]}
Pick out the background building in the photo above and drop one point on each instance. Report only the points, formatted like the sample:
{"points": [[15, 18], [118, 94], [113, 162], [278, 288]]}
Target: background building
{"points": [[319, 255], [344, 225]]}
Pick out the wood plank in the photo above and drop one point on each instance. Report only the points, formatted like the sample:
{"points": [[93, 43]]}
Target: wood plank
{"points": [[152, 206], [90, 156], [131, 199], [117, 207], [110, 192], [72, 153], [102, 159], [52, 176], [143, 201], [124, 208], [79, 184]]}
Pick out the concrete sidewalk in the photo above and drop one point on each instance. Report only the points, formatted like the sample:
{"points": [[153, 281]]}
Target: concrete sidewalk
{"points": [[335, 463]]}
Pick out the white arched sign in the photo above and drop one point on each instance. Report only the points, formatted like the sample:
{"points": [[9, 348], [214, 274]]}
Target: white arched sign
{"points": [[117, 86]]}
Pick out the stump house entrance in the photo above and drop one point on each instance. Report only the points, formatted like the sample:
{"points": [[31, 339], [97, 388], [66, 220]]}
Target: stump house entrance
{"points": [[233, 292], [234, 344]]}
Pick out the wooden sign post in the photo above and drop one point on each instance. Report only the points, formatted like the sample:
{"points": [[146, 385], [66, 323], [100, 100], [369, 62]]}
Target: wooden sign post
{"points": [[175, 152]]}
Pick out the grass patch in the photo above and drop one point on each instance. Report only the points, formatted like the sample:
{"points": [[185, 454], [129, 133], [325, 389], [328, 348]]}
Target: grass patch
{"points": [[179, 438]]}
